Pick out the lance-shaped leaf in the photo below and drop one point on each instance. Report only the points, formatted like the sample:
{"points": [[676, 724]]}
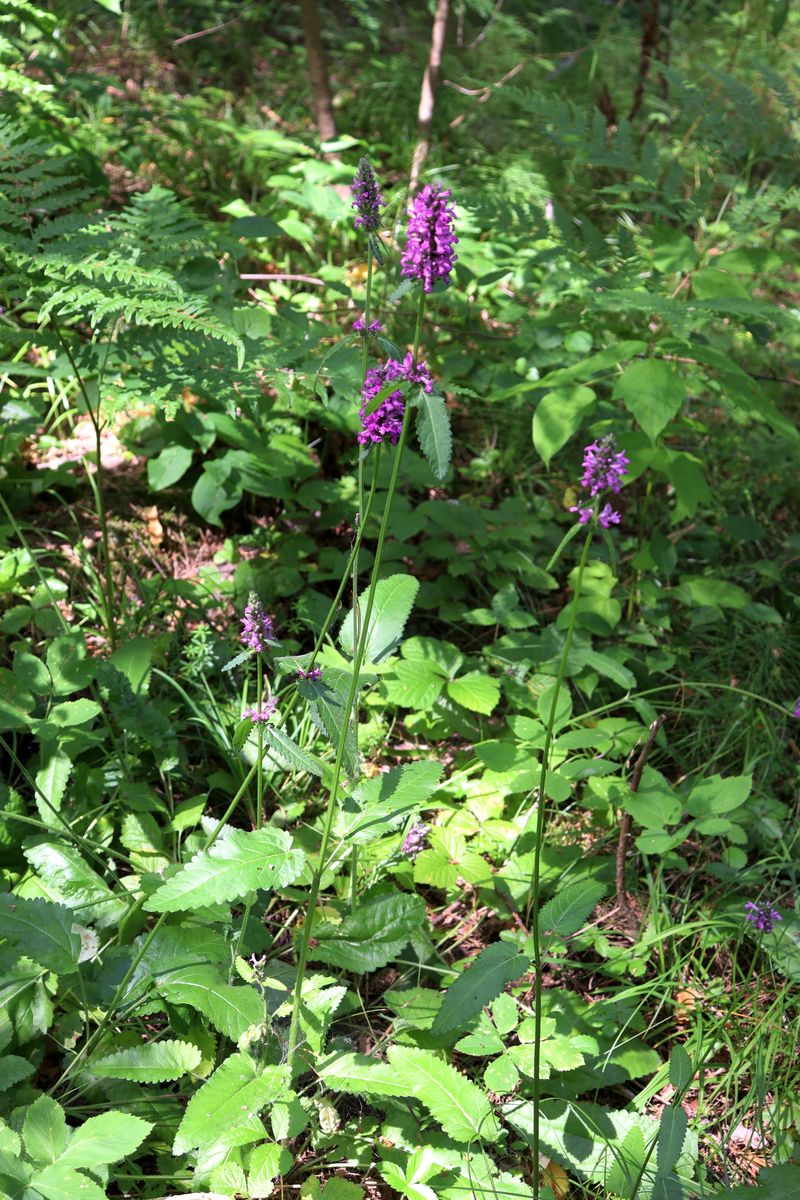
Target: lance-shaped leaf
{"points": [[570, 908], [361, 1075], [476, 987], [327, 704], [158, 1062], [381, 803], [433, 431], [104, 1139], [240, 863], [394, 599], [459, 1106], [370, 937]]}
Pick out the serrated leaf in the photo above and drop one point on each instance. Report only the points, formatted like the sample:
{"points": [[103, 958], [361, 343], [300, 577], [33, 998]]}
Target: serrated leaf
{"points": [[652, 391], [13, 1069], [671, 1135], [680, 1068], [158, 1062], [234, 1095], [60, 1182], [238, 659], [241, 863], [455, 1103], [231, 1009], [327, 704], [394, 599], [44, 1130], [42, 930], [475, 691], [569, 909], [51, 784], [476, 987], [369, 938], [379, 804], [289, 754], [104, 1139], [361, 1075], [65, 877], [433, 431]]}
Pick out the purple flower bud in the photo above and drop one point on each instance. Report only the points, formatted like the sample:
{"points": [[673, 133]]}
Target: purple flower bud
{"points": [[428, 253], [387, 419], [266, 711], [797, 708], [604, 466], [415, 840], [313, 674], [762, 915], [367, 198], [374, 326], [257, 627]]}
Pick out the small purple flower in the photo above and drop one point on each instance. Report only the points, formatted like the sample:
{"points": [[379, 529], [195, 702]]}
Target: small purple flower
{"points": [[762, 915], [604, 466], [428, 253], [387, 419], [797, 708], [416, 839], [374, 326], [313, 674], [266, 711], [584, 514], [367, 198], [257, 627], [607, 517]]}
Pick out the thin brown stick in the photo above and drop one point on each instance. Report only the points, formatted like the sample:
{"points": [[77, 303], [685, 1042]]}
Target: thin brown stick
{"points": [[625, 824], [318, 73], [427, 98], [649, 49]]}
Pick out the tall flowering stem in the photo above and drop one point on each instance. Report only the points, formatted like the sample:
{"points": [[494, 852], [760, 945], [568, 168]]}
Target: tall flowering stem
{"points": [[358, 660], [532, 906]]}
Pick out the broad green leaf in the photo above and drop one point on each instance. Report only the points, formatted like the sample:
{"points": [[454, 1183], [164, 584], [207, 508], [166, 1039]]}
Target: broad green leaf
{"points": [[327, 704], [459, 1106], [61, 1182], [158, 1062], [652, 391], [44, 1130], [289, 754], [475, 691], [415, 685], [433, 431], [264, 1164], [477, 986], [105, 1139], [235, 1093], [368, 938], [51, 784], [230, 1008], [168, 467], [361, 1075], [13, 1069], [218, 489], [558, 416], [64, 876], [584, 370], [378, 804], [719, 794], [673, 250], [705, 591], [671, 1136], [394, 599], [240, 863], [42, 930], [773, 1183], [570, 908], [256, 227]]}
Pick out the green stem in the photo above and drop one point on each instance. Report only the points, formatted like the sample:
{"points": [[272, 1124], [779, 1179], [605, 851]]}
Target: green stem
{"points": [[360, 650], [532, 905], [259, 790]]}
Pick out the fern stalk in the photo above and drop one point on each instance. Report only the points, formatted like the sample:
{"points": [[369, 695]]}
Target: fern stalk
{"points": [[532, 905], [358, 659]]}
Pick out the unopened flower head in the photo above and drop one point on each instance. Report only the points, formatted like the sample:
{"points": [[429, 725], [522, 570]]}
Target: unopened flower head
{"points": [[386, 421], [428, 254], [603, 466], [257, 628], [762, 915], [313, 674], [416, 839], [367, 198], [264, 713], [373, 327]]}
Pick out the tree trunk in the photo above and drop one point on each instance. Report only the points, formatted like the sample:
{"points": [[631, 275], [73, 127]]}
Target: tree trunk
{"points": [[427, 98], [318, 72]]}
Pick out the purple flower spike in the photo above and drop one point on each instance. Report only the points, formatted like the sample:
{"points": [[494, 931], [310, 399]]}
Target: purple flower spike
{"points": [[374, 326], [415, 840], [267, 710], [387, 419], [604, 466], [608, 517], [257, 627], [763, 916], [428, 254], [313, 674], [367, 198]]}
